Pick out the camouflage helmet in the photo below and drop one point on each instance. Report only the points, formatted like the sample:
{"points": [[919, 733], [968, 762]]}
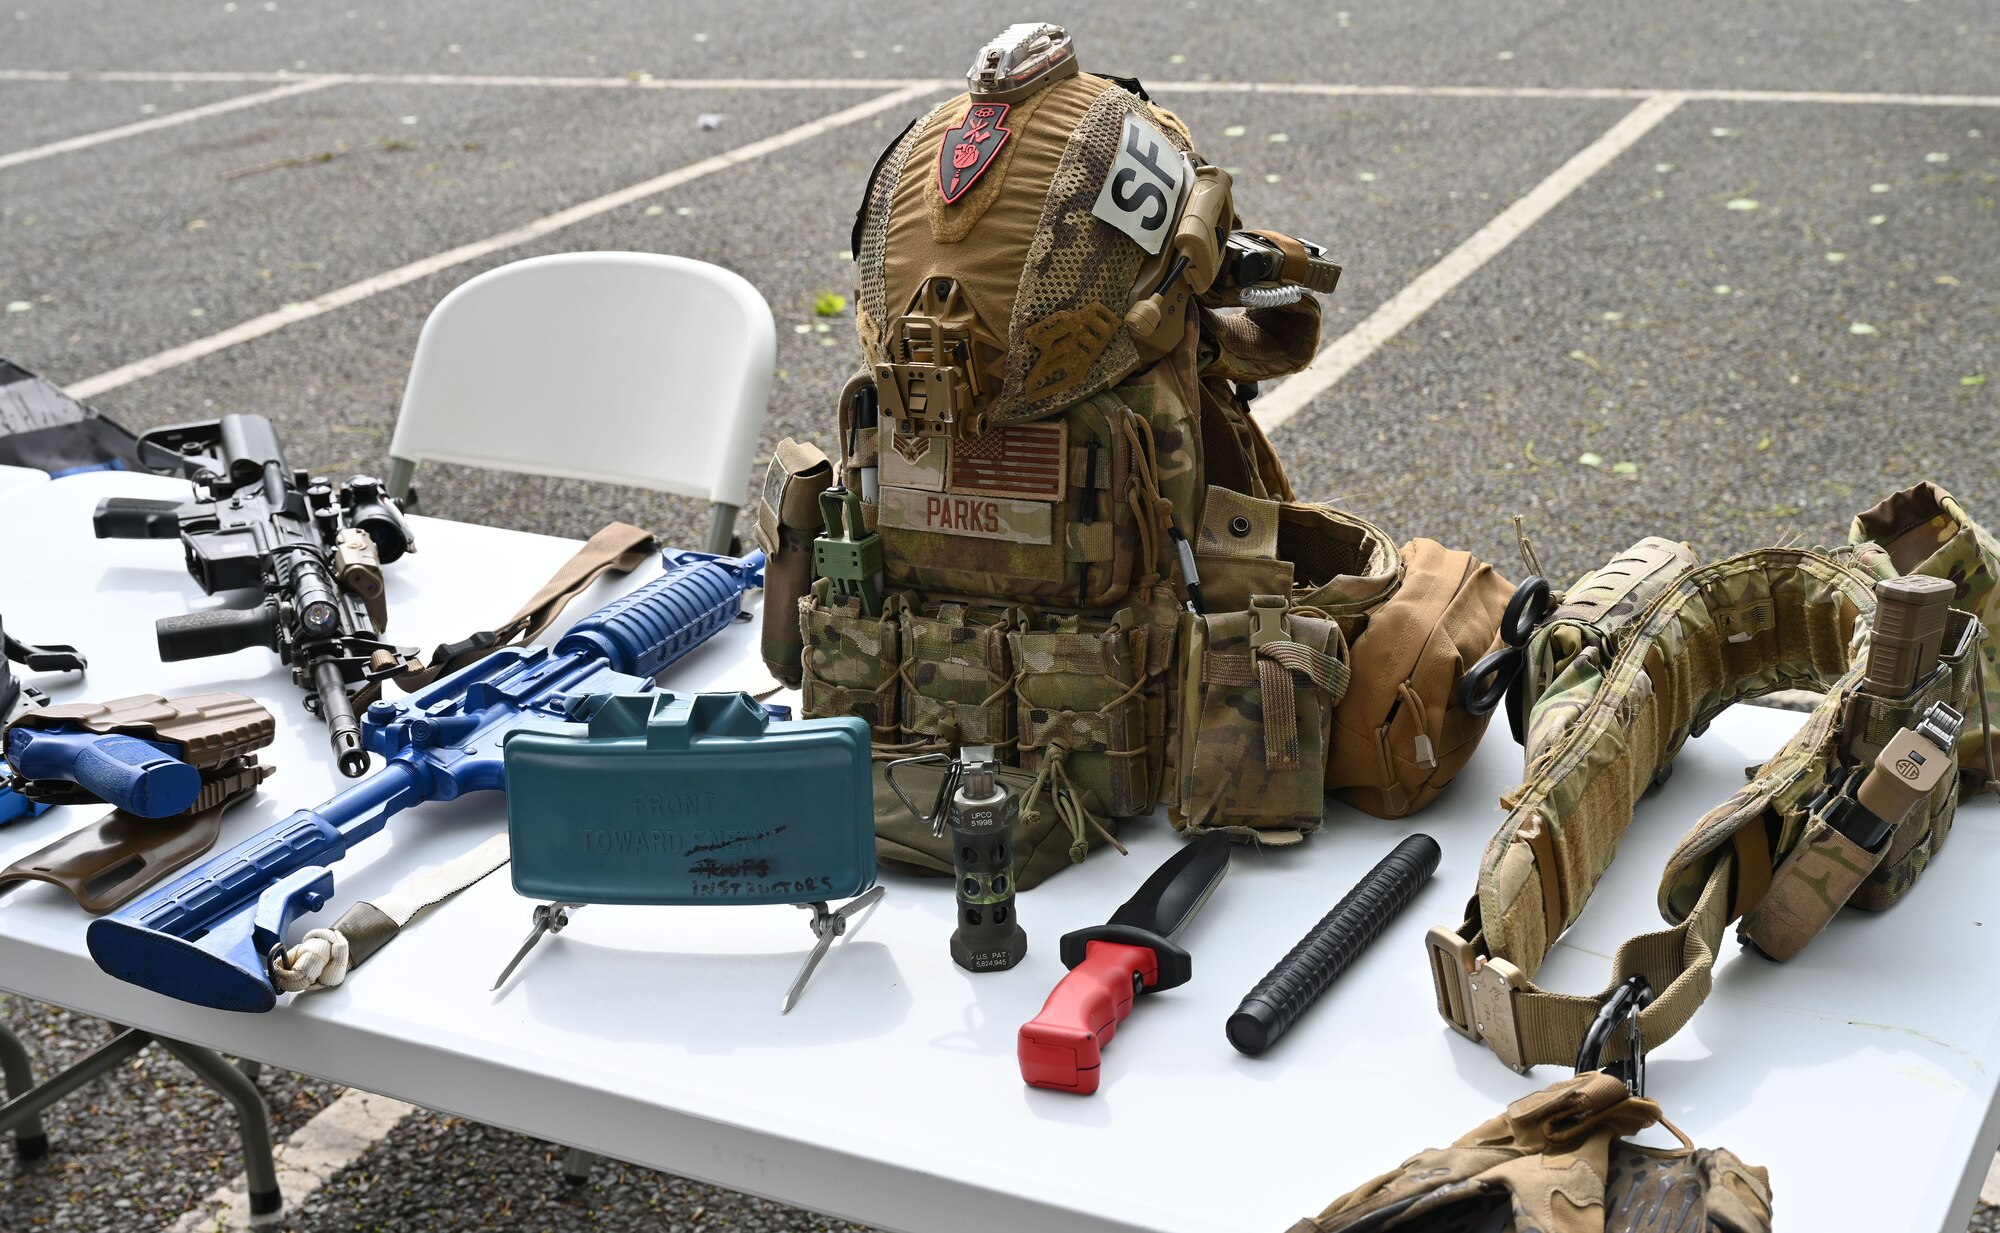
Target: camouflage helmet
{"points": [[982, 245]]}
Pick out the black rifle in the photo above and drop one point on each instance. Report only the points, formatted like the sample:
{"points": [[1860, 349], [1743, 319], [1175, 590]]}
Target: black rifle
{"points": [[316, 552]]}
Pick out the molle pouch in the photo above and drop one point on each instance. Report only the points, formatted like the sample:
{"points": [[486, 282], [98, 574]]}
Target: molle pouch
{"points": [[1925, 530], [1825, 870], [852, 663], [1867, 724], [1083, 720], [1820, 875], [788, 517], [1040, 512], [1343, 566], [957, 677], [1236, 551], [1257, 715], [663, 798], [1403, 731]]}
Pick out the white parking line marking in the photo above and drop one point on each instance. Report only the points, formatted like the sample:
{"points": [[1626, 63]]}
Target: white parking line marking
{"points": [[1290, 396], [1841, 97], [84, 142], [1581, 92], [291, 314], [336, 1137], [638, 82]]}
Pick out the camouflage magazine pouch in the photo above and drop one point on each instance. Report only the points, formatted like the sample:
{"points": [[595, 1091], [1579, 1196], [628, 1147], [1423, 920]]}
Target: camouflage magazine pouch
{"points": [[1869, 723], [852, 662], [1081, 686], [1258, 702], [1058, 825], [1558, 1161], [1823, 870], [957, 678]]}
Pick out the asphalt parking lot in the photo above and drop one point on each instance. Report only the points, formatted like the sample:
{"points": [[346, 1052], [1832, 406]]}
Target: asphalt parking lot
{"points": [[1772, 297]]}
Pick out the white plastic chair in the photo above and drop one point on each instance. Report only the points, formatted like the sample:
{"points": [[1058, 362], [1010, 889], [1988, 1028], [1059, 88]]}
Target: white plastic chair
{"points": [[629, 368]]}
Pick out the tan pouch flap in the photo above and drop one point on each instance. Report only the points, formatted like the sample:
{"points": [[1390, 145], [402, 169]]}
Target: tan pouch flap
{"points": [[1234, 524]]}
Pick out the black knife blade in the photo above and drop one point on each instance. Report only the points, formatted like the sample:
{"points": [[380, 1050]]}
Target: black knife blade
{"points": [[1175, 891]]}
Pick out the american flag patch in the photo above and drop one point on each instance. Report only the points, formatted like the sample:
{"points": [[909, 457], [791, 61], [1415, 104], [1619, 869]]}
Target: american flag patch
{"points": [[1021, 460]]}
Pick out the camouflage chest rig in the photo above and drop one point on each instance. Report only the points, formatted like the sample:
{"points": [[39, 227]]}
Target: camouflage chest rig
{"points": [[1052, 441], [1641, 655]]}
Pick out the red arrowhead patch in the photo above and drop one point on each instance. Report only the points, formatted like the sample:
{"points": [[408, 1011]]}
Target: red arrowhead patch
{"points": [[970, 147]]}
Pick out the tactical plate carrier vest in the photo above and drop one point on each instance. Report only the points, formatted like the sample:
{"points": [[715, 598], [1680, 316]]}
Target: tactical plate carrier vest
{"points": [[1052, 440]]}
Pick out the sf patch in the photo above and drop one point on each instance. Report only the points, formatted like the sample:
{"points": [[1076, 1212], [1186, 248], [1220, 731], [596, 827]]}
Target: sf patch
{"points": [[970, 147]]}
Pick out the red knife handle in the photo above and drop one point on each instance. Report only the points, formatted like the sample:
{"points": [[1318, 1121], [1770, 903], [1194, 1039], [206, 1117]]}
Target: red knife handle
{"points": [[1060, 1047]]}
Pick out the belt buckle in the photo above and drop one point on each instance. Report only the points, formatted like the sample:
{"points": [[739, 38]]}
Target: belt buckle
{"points": [[1633, 994], [1475, 994], [1267, 616]]}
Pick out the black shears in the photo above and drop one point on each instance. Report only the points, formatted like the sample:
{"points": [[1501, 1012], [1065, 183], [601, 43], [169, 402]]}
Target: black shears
{"points": [[1502, 673]]}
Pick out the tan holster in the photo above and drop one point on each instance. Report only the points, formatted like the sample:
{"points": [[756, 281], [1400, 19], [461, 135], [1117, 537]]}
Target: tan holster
{"points": [[107, 863]]}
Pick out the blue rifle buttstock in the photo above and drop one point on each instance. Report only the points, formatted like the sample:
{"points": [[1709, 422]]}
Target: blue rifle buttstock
{"points": [[207, 936]]}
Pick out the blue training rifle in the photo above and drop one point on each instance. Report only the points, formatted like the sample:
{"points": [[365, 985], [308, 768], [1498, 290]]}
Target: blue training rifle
{"points": [[208, 936]]}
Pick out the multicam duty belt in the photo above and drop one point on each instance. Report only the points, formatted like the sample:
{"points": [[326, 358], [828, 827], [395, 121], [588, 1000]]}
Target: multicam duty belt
{"points": [[1644, 654]]}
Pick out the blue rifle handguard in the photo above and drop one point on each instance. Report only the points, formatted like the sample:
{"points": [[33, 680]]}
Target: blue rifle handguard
{"points": [[207, 936], [672, 799]]}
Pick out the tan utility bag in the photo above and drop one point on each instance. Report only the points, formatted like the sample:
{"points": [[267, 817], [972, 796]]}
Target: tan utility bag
{"points": [[1401, 733]]}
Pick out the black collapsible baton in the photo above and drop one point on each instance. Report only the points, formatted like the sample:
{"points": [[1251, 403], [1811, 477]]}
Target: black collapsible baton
{"points": [[1326, 951]]}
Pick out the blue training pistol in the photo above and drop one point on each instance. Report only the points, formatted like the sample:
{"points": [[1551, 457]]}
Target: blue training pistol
{"points": [[208, 937], [675, 800], [144, 778]]}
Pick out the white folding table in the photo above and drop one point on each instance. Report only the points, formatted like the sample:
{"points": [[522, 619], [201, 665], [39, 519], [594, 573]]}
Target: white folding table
{"points": [[15, 479], [1861, 1074]]}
